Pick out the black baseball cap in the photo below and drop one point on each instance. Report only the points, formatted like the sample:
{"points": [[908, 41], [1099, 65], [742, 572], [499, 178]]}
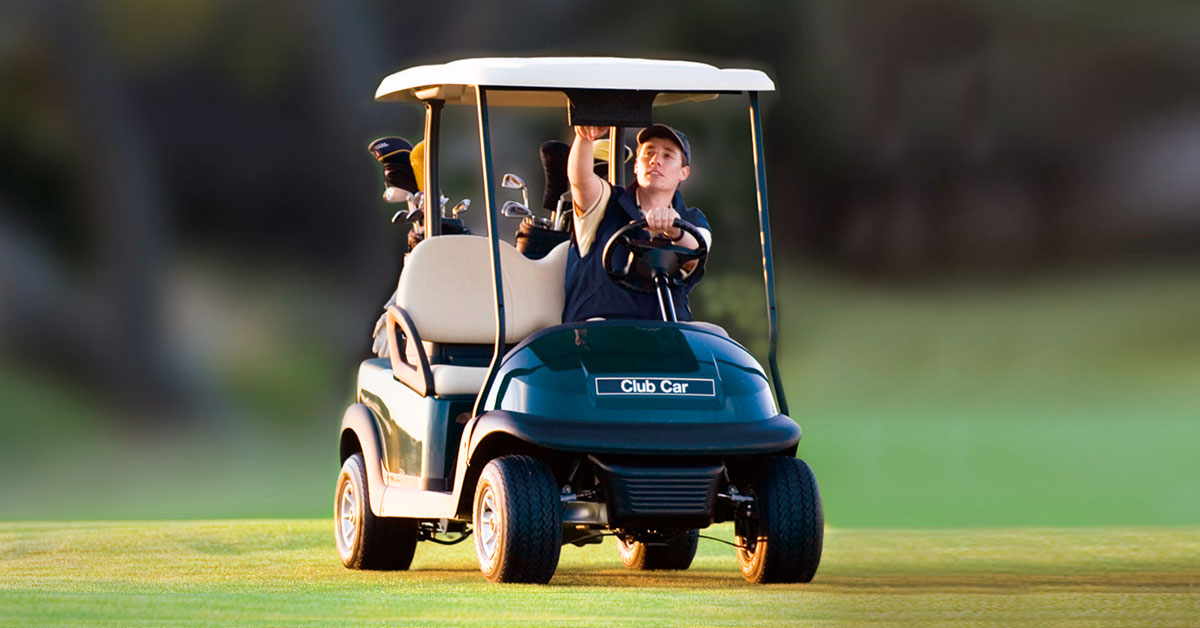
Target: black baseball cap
{"points": [[666, 132]]}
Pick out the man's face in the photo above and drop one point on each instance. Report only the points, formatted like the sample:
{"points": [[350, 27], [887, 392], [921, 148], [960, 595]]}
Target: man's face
{"points": [[659, 165]]}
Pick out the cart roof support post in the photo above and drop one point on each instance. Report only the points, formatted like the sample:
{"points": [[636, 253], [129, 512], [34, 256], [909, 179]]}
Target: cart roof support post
{"points": [[433, 195], [760, 180], [616, 156], [489, 196]]}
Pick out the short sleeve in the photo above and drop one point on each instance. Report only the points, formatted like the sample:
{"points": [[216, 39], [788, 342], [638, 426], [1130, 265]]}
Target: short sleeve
{"points": [[586, 224]]}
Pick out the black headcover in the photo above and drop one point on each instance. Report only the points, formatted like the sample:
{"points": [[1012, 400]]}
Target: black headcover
{"points": [[554, 166], [393, 153]]}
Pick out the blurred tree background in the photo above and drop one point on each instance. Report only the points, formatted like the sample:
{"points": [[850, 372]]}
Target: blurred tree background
{"points": [[983, 212]]}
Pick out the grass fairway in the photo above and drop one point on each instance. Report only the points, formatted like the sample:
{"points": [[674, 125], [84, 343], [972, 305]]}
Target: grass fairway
{"points": [[286, 573]]}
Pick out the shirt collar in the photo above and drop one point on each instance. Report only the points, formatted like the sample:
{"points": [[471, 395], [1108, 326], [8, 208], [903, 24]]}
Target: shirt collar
{"points": [[629, 202]]}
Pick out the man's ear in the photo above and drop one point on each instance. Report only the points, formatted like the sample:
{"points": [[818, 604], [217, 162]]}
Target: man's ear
{"points": [[684, 172]]}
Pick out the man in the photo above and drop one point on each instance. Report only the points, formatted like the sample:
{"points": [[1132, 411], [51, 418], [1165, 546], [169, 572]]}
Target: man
{"points": [[663, 162]]}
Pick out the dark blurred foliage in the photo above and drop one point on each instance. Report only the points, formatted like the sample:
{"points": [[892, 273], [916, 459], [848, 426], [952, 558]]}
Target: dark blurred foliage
{"points": [[910, 138]]}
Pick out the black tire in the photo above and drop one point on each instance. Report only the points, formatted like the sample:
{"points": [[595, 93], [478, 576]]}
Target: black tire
{"points": [[363, 540], [675, 550], [782, 540], [518, 521]]}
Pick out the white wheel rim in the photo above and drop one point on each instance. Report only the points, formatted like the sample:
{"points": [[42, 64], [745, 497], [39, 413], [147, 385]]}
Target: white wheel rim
{"points": [[488, 526], [347, 516]]}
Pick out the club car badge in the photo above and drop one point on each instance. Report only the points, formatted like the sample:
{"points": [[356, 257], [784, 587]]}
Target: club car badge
{"points": [[658, 386]]}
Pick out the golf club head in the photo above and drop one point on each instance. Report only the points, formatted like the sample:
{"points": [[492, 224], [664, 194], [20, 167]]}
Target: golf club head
{"points": [[513, 209], [407, 215], [512, 182]]}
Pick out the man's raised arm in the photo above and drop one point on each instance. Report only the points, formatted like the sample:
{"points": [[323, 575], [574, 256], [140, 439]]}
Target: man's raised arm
{"points": [[586, 185]]}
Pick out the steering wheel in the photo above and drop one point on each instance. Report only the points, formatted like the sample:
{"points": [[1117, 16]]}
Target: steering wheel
{"points": [[646, 258]]}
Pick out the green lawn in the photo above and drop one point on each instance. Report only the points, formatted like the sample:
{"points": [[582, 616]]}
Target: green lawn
{"points": [[1068, 401], [286, 573]]}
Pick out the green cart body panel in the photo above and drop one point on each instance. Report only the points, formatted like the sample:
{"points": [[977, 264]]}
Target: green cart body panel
{"points": [[649, 387]]}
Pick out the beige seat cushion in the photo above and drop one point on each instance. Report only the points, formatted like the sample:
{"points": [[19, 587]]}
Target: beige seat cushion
{"points": [[446, 288], [457, 380]]}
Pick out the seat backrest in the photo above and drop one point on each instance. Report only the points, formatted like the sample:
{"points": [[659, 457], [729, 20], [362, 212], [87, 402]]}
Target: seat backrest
{"points": [[446, 288]]}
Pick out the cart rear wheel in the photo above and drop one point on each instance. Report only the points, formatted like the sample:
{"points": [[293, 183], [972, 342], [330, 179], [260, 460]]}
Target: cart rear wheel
{"points": [[780, 541], [675, 550], [365, 541], [518, 521]]}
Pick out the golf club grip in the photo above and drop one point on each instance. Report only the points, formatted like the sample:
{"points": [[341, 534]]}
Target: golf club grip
{"points": [[554, 165]]}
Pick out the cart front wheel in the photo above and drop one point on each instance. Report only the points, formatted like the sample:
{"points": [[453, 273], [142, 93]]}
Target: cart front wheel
{"points": [[780, 539], [518, 521]]}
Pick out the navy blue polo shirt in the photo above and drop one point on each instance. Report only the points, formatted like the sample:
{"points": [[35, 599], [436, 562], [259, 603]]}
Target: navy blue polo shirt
{"points": [[589, 291]]}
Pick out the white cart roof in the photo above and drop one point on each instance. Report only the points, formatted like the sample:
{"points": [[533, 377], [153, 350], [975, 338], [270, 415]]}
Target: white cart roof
{"points": [[455, 82]]}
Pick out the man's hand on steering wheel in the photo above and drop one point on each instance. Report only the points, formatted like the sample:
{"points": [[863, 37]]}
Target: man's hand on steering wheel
{"points": [[640, 260], [660, 221]]}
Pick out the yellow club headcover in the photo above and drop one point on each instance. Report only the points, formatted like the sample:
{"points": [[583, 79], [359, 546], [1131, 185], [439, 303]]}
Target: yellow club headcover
{"points": [[601, 148], [417, 159]]}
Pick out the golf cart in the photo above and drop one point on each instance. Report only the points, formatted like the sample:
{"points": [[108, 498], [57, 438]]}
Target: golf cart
{"points": [[491, 419]]}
